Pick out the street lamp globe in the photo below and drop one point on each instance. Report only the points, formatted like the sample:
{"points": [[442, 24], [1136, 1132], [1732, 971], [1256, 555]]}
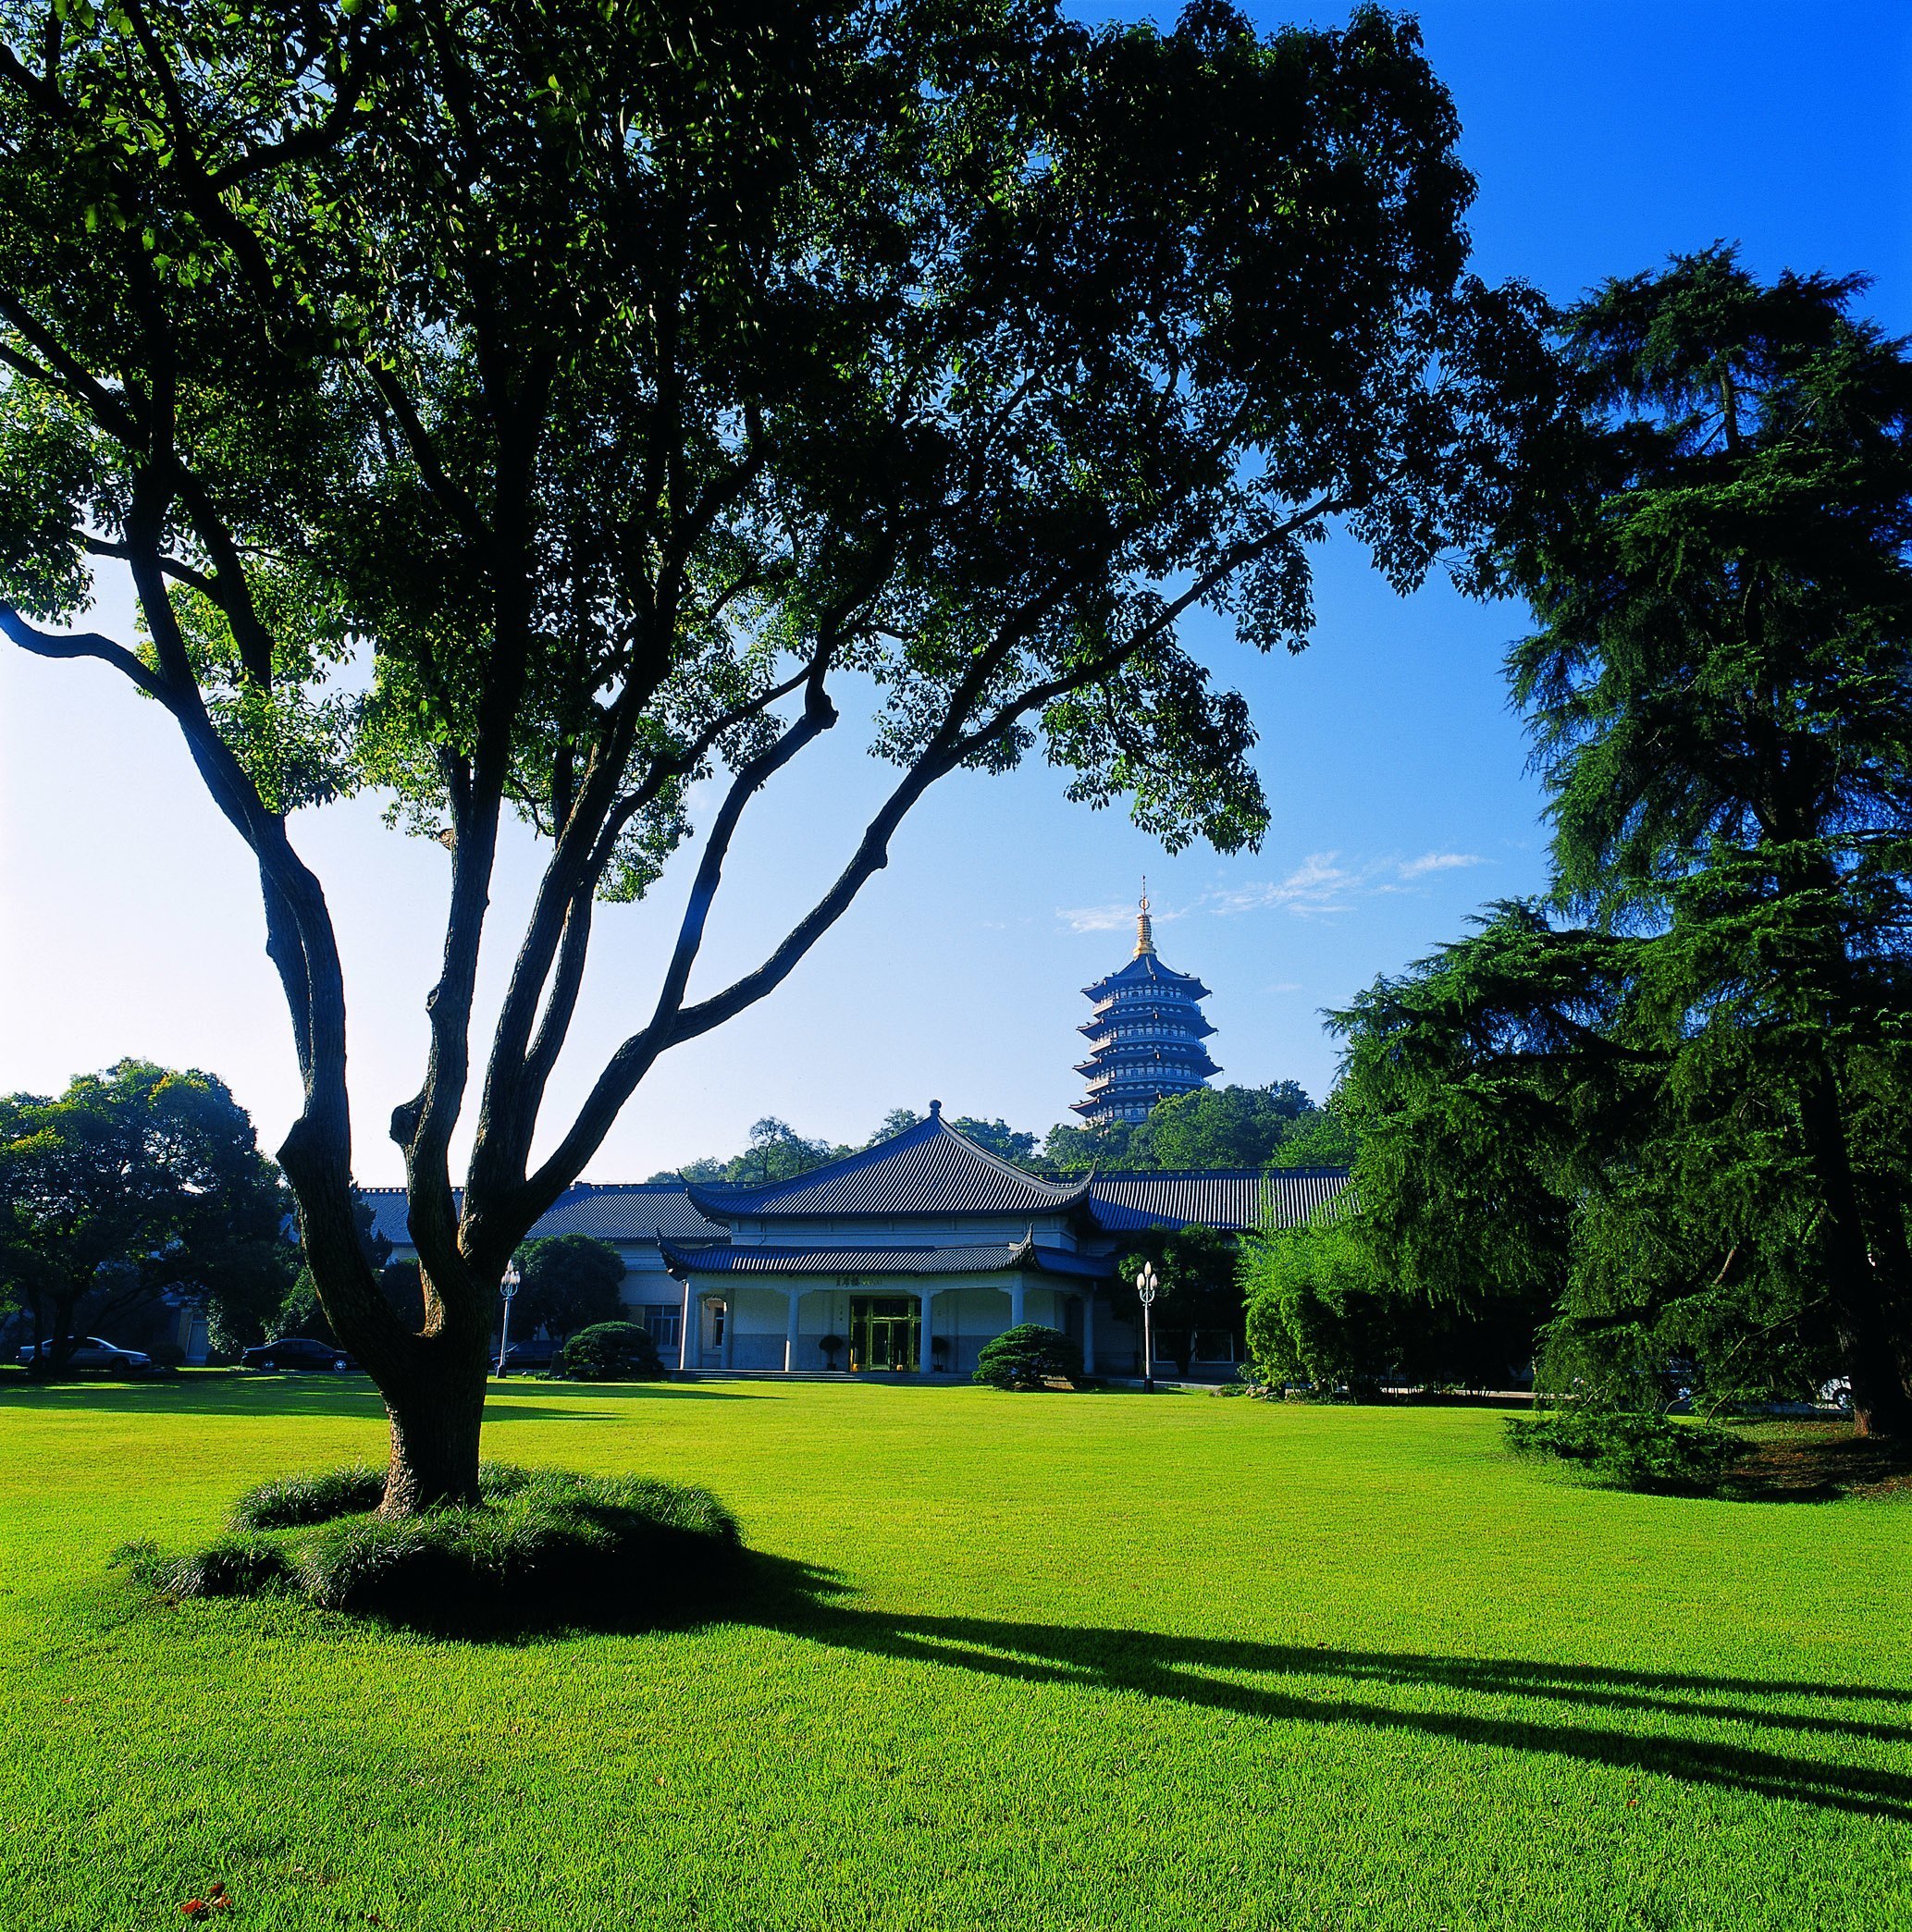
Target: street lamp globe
{"points": [[1148, 1284], [508, 1287]]}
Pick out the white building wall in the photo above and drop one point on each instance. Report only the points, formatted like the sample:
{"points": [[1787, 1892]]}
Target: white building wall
{"points": [[965, 1313]]}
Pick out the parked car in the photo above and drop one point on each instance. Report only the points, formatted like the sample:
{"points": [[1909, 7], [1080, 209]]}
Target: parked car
{"points": [[530, 1358], [90, 1352], [296, 1351]]}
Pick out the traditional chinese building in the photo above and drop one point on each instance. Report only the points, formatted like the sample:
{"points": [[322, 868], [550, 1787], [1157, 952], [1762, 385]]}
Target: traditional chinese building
{"points": [[1145, 1037], [905, 1258]]}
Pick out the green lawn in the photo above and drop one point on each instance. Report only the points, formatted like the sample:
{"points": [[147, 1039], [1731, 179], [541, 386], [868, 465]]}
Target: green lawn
{"points": [[1091, 1661]]}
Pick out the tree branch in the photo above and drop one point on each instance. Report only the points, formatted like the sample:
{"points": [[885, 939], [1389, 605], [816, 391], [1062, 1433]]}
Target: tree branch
{"points": [[86, 643]]}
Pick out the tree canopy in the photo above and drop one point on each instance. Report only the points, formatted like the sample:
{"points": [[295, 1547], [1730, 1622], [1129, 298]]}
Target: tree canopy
{"points": [[1672, 1101], [539, 407], [133, 1181], [568, 1282], [1209, 1127]]}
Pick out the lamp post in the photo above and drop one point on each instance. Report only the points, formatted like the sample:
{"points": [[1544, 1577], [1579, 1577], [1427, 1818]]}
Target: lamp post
{"points": [[1146, 1285], [507, 1287]]}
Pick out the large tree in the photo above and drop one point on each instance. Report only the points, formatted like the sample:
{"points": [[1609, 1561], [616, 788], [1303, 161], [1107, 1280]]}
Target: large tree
{"points": [[616, 384], [1676, 1099], [131, 1181]]}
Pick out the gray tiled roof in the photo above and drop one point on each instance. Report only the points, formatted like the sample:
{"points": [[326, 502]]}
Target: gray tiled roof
{"points": [[1227, 1197], [625, 1210], [927, 1169], [929, 1178], [990, 1258]]}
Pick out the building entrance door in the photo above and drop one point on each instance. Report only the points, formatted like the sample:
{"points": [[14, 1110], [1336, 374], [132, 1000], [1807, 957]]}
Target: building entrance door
{"points": [[885, 1331]]}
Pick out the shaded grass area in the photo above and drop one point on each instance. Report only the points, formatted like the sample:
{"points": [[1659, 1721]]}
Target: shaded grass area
{"points": [[1808, 1462], [998, 1661]]}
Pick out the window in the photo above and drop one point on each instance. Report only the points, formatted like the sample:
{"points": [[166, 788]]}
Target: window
{"points": [[663, 1323]]}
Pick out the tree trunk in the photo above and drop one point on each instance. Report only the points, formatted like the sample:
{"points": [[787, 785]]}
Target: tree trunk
{"points": [[436, 1416], [433, 1381], [52, 1353], [1866, 1314]]}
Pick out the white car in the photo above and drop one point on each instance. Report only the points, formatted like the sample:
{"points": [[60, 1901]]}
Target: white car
{"points": [[90, 1352]]}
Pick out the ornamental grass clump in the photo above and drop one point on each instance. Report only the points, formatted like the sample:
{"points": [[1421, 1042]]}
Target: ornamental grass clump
{"points": [[540, 1549], [238, 1565], [1631, 1449], [315, 1497]]}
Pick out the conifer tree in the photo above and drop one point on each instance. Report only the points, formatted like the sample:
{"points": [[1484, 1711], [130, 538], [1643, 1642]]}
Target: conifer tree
{"points": [[1677, 1097]]}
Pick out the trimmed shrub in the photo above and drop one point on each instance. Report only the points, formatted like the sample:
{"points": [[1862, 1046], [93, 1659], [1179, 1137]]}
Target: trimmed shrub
{"points": [[1631, 1449], [543, 1549], [1030, 1356], [316, 1497], [610, 1351]]}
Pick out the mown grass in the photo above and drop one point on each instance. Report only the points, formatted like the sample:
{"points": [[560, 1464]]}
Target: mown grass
{"points": [[1013, 1661]]}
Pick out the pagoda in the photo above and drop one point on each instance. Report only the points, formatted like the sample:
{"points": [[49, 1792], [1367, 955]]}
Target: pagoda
{"points": [[1145, 1038]]}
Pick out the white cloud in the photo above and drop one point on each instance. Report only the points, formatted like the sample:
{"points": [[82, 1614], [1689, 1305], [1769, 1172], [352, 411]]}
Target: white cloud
{"points": [[1319, 884], [1439, 862], [1322, 885], [1108, 918]]}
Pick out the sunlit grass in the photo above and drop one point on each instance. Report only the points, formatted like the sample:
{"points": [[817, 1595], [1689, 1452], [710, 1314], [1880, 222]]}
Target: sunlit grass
{"points": [[1024, 1661]]}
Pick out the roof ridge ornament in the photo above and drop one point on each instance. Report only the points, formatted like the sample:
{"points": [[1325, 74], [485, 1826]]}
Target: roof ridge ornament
{"points": [[1144, 927]]}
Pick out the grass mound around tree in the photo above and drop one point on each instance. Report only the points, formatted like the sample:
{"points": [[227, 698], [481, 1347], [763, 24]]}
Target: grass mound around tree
{"points": [[540, 1549], [1630, 1449]]}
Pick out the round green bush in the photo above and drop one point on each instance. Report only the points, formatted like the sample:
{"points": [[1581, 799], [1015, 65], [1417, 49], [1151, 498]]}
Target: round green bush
{"points": [[1029, 1355], [610, 1351]]}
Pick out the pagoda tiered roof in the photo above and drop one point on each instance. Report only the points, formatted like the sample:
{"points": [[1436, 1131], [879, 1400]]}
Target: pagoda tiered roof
{"points": [[1186, 1056], [1105, 1018], [927, 1169], [1146, 969], [1145, 1035]]}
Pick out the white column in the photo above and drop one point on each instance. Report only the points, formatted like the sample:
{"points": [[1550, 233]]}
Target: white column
{"points": [[683, 1329], [795, 1297], [1016, 1301], [927, 1298], [730, 1329], [1089, 1333]]}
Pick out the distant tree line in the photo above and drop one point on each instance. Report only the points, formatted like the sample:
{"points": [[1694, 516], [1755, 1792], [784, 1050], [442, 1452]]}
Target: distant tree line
{"points": [[1277, 1126], [137, 1189], [139, 1193]]}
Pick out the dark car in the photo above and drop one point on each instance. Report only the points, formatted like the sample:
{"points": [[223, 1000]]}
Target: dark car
{"points": [[90, 1352], [295, 1351], [529, 1357]]}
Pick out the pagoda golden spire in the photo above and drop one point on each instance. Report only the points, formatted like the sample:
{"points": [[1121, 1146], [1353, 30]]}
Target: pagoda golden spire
{"points": [[1144, 930]]}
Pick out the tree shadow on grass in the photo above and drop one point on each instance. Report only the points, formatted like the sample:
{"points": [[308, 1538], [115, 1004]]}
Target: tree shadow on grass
{"points": [[1821, 1465], [1320, 1685], [314, 1394]]}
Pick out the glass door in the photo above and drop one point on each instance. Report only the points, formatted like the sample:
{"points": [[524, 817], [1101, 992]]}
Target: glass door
{"points": [[885, 1331]]}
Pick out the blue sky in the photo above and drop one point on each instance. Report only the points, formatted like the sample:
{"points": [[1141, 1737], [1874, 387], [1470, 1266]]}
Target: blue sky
{"points": [[1605, 134]]}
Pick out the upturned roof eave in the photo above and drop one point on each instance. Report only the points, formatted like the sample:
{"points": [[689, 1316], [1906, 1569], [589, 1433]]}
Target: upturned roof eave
{"points": [[1025, 1256]]}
